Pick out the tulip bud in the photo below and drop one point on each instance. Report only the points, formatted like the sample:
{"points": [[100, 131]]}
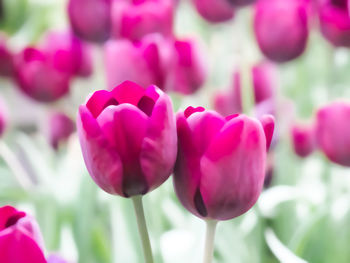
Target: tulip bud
{"points": [[333, 132], [144, 62], [137, 18], [189, 71], [90, 19], [335, 22], [214, 11], [128, 138], [287, 39], [68, 54], [38, 79], [20, 238], [60, 127], [303, 139], [220, 168], [6, 60], [240, 3], [264, 81]]}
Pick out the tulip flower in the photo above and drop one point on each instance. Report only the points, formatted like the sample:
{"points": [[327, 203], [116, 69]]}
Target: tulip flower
{"points": [[214, 11], [189, 71], [37, 77], [265, 81], [20, 238], [333, 131], [60, 127], [136, 18], [6, 60], [68, 53], [3, 117], [335, 22], [144, 62], [240, 3], [303, 139], [90, 19], [287, 39]]}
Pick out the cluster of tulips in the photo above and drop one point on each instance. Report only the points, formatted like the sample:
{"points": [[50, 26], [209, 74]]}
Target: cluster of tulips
{"points": [[131, 139]]}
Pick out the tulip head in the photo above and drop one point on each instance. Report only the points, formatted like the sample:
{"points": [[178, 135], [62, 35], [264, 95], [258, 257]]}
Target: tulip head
{"points": [[128, 138], [60, 127], [3, 117], [137, 18], [37, 77], [264, 81], [303, 139], [214, 11], [333, 132], [287, 39], [220, 167], [335, 22], [90, 19], [20, 238]]}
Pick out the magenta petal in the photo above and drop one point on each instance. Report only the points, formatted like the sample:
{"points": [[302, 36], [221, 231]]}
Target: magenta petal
{"points": [[125, 127], [101, 159], [268, 123], [6, 212], [128, 92], [190, 110], [16, 246], [99, 101]]}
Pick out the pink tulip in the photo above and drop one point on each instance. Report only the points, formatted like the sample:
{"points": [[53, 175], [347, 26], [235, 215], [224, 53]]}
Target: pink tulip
{"points": [[60, 127], [68, 54], [128, 138], [303, 139], [133, 19], [37, 77], [6, 59], [144, 62], [189, 71], [333, 132], [335, 22], [3, 117], [240, 3], [20, 238], [90, 19], [220, 168], [286, 39], [214, 11], [265, 81]]}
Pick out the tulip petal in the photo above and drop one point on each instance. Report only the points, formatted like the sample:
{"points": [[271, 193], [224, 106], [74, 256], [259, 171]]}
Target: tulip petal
{"points": [[100, 100], [268, 123], [128, 92]]}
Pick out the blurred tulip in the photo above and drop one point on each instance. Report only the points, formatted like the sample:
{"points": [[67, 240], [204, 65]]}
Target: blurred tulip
{"points": [[190, 70], [220, 168], [37, 77], [20, 238], [286, 39], [68, 53], [214, 11], [90, 19], [303, 139], [6, 60], [133, 19], [60, 127], [333, 132], [240, 3], [144, 62], [128, 138], [3, 117], [335, 22], [265, 81]]}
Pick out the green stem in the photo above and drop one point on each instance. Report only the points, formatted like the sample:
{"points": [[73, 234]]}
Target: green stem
{"points": [[141, 223], [209, 241]]}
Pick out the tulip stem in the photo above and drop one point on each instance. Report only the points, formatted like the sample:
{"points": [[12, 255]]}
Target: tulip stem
{"points": [[141, 222], [209, 241]]}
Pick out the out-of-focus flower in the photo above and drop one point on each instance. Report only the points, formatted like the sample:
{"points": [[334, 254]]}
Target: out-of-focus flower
{"points": [[6, 59], [20, 238], [128, 138], [60, 127], [335, 22], [287, 39], [68, 53], [144, 63], [333, 131], [3, 117], [214, 11], [189, 70], [240, 3], [220, 168], [90, 19], [264, 81], [227, 103], [37, 77], [133, 19], [303, 139]]}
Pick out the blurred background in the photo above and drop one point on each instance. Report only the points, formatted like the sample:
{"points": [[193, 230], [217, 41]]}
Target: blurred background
{"points": [[288, 58]]}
